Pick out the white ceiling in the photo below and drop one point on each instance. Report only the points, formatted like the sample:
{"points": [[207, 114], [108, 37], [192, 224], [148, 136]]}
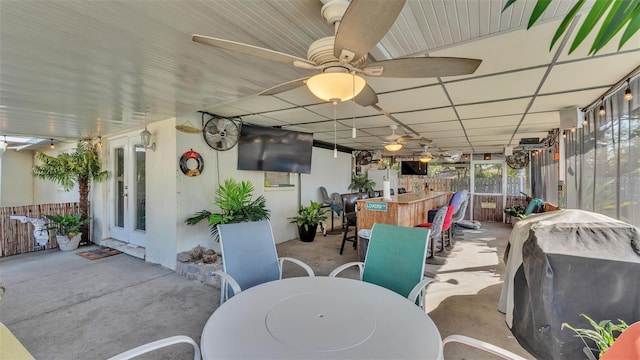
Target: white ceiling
{"points": [[80, 69]]}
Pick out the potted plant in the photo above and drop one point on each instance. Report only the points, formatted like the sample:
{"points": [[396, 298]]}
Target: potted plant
{"points": [[81, 166], [361, 183], [308, 219], [68, 229], [516, 212], [236, 205], [603, 335]]}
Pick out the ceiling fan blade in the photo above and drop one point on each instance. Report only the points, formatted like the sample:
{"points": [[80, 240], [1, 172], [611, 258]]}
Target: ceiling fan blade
{"points": [[363, 24], [366, 97], [422, 67], [249, 50], [290, 85]]}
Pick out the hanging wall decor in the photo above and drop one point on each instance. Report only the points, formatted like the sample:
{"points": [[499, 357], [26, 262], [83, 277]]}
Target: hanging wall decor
{"points": [[184, 163]]}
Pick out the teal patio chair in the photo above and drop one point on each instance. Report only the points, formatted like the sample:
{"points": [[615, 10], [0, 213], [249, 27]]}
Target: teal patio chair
{"points": [[249, 257], [534, 205], [395, 260]]}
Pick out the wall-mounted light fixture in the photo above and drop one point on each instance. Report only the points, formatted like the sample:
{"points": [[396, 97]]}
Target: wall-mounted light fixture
{"points": [[145, 135], [100, 141], [627, 93], [602, 111], [487, 156]]}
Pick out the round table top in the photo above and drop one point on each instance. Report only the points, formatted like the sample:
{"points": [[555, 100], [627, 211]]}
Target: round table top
{"points": [[322, 318]]}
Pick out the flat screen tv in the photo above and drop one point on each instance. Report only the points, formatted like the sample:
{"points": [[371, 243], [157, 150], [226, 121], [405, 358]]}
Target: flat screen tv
{"points": [[413, 167], [273, 149]]}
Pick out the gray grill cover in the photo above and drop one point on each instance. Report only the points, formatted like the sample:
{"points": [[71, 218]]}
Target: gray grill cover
{"points": [[571, 263]]}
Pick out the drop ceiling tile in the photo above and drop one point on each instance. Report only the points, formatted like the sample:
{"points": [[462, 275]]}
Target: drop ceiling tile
{"points": [[382, 84], [262, 120], [295, 116], [226, 110], [577, 99], [415, 99], [581, 74], [505, 86], [257, 104], [492, 122], [507, 51], [321, 126], [495, 138], [437, 126], [369, 122], [498, 131], [493, 109], [344, 110], [300, 96], [546, 118], [426, 116]]}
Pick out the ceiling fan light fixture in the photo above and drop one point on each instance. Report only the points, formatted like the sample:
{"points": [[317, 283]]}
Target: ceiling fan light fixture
{"points": [[425, 159], [393, 146], [330, 86]]}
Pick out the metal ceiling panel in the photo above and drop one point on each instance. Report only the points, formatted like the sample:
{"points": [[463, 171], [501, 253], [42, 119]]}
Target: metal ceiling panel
{"points": [[74, 69]]}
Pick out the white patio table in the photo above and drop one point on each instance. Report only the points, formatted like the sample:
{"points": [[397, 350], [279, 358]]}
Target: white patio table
{"points": [[320, 318]]}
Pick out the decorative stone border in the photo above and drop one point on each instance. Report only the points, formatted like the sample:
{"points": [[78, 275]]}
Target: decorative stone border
{"points": [[200, 271]]}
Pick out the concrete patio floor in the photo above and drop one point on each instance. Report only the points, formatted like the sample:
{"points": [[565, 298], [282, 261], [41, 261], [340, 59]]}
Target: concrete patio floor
{"points": [[63, 306]]}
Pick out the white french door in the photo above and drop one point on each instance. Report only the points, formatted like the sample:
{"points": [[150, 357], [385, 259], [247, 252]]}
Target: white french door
{"points": [[127, 199]]}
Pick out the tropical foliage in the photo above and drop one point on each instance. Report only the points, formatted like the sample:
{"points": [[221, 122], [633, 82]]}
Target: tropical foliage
{"points": [[361, 183], [67, 225], [602, 333], [314, 214], [617, 15], [236, 204], [81, 166]]}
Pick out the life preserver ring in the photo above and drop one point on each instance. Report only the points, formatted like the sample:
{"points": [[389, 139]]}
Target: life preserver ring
{"points": [[184, 163]]}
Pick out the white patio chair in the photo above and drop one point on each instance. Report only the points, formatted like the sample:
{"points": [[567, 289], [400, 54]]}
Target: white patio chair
{"points": [[142, 349], [249, 257], [485, 346]]}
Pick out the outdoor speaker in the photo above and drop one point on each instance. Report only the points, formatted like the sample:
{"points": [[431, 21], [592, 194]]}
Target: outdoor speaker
{"points": [[508, 150], [571, 118]]}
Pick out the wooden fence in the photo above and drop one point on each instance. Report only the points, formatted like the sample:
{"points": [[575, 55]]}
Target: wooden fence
{"points": [[17, 237]]}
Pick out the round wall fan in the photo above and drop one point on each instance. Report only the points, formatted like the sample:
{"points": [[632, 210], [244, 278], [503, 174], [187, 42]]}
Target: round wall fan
{"points": [[360, 25], [221, 133], [364, 158], [518, 160]]}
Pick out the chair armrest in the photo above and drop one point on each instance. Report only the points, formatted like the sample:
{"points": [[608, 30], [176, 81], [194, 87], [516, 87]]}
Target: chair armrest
{"points": [[157, 345], [232, 282], [490, 348], [296, 261], [340, 268], [420, 287]]}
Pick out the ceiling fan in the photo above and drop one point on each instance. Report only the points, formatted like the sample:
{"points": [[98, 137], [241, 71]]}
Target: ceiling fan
{"points": [[359, 26], [393, 142]]}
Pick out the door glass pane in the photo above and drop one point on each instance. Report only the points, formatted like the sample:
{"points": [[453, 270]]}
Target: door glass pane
{"points": [[120, 187], [488, 178], [140, 187]]}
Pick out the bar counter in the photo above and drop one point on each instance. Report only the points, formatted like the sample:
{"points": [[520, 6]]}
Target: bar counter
{"points": [[408, 209]]}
